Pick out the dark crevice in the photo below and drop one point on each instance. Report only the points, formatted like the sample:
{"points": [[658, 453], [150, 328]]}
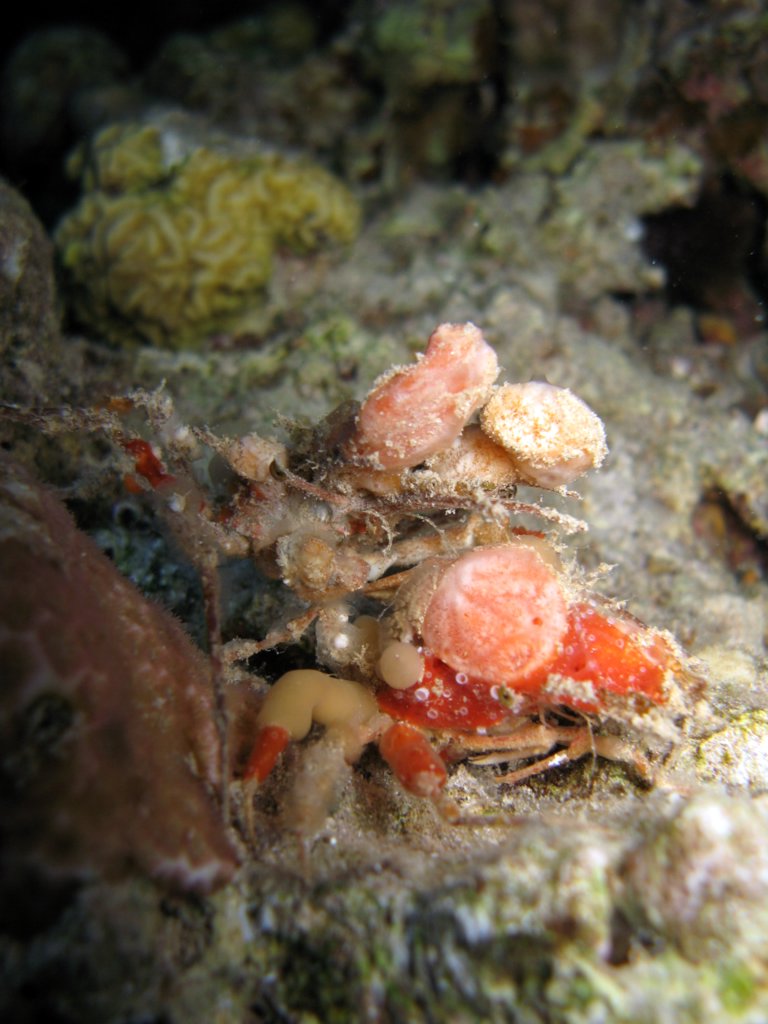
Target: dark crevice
{"points": [[713, 252], [719, 522]]}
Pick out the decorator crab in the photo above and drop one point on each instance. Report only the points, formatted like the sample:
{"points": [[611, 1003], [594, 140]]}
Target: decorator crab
{"points": [[446, 616], [487, 645]]}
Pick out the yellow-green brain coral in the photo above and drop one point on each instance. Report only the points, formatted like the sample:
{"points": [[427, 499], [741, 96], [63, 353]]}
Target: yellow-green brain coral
{"points": [[171, 240]]}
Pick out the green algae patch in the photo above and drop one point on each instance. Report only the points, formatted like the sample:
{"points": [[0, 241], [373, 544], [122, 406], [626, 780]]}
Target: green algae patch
{"points": [[176, 232], [737, 987]]}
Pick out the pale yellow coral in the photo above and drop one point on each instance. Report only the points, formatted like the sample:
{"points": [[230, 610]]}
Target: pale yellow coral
{"points": [[168, 243], [122, 157]]}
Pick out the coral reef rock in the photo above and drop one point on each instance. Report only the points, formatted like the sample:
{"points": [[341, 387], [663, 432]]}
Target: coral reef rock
{"points": [[109, 750], [29, 323], [175, 234]]}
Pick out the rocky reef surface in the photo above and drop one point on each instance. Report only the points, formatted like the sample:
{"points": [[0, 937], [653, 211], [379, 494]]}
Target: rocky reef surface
{"points": [[599, 211]]}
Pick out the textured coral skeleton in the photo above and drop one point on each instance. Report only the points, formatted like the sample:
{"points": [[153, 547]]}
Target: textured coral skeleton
{"points": [[445, 625]]}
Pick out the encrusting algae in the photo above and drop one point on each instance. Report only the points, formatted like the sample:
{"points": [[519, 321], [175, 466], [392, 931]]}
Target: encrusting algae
{"points": [[175, 235]]}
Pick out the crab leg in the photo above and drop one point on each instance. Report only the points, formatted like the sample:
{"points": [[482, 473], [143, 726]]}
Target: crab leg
{"points": [[241, 650], [578, 748], [582, 742], [527, 740]]}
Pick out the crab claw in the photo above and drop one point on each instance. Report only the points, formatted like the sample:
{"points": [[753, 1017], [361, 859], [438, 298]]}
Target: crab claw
{"points": [[270, 742], [417, 767]]}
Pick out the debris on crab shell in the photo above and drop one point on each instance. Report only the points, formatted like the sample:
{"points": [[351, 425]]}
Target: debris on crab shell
{"points": [[473, 463], [499, 613], [503, 637], [506, 641], [550, 434], [416, 411], [511, 617]]}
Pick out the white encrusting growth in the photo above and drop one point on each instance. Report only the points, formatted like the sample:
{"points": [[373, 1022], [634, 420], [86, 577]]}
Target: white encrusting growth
{"points": [[550, 434]]}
